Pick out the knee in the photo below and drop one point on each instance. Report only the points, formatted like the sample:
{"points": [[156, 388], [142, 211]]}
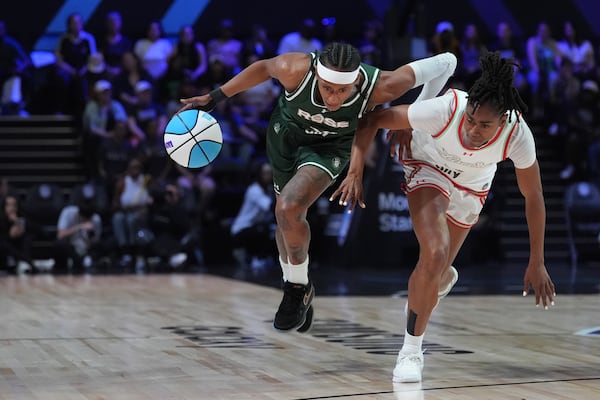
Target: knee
{"points": [[433, 258], [289, 208]]}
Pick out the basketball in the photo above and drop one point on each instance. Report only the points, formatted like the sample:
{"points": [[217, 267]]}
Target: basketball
{"points": [[193, 138]]}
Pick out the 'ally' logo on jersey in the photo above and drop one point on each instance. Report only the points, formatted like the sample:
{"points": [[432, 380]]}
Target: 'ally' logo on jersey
{"points": [[451, 172]]}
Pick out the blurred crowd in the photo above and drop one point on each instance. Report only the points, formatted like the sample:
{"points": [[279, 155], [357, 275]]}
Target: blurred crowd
{"points": [[139, 208]]}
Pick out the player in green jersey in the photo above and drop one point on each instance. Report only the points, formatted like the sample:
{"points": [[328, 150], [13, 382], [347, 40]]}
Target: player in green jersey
{"points": [[310, 137]]}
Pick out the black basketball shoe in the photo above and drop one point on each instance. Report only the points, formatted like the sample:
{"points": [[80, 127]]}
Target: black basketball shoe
{"points": [[294, 306], [305, 327]]}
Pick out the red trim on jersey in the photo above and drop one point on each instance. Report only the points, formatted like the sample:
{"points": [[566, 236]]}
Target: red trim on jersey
{"points": [[489, 143], [451, 117], [427, 185], [459, 224], [505, 152], [419, 164]]}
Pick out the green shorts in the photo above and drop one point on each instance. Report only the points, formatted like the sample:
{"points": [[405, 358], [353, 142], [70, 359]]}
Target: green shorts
{"points": [[289, 149]]}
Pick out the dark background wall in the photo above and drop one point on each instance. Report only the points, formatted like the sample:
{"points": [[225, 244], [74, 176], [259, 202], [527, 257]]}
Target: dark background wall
{"points": [[29, 20]]}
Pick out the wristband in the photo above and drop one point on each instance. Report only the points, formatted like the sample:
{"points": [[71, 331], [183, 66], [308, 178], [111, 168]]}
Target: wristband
{"points": [[218, 95]]}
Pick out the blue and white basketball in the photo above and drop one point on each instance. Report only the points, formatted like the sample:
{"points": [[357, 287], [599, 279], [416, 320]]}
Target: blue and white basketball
{"points": [[193, 138]]}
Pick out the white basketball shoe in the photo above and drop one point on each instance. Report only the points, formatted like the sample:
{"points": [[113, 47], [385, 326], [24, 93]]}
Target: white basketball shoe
{"points": [[442, 293], [409, 368]]}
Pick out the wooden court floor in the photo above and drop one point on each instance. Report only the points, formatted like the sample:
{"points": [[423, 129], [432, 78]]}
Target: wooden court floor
{"points": [[199, 336]]}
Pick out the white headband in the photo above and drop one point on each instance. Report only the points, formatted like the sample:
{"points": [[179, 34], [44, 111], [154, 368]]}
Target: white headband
{"points": [[337, 77]]}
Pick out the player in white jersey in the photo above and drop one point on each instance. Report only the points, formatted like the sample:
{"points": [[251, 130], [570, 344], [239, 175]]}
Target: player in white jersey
{"points": [[450, 161], [309, 140]]}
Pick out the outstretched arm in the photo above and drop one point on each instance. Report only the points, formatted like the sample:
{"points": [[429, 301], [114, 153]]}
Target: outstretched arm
{"points": [[536, 276], [288, 69], [432, 73], [350, 189]]}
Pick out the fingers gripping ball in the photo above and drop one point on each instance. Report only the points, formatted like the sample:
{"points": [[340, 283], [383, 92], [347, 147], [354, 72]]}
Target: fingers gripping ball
{"points": [[193, 138]]}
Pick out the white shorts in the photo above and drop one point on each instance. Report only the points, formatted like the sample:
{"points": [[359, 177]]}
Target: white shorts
{"points": [[465, 204]]}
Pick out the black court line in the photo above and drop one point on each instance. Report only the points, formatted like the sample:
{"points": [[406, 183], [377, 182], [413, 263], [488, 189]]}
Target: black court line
{"points": [[341, 396]]}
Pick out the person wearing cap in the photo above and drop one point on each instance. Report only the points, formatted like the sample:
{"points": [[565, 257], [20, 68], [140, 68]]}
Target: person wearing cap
{"points": [[310, 136], [147, 121], [102, 117]]}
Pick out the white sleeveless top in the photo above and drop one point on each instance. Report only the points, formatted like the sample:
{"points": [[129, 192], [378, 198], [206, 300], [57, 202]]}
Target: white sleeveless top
{"points": [[436, 140], [135, 192]]}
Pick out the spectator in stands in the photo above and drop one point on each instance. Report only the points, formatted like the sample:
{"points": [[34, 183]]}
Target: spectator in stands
{"points": [[102, 117], [239, 139], [253, 229], [187, 63], [147, 121], [445, 39], [583, 133], [511, 47], [78, 236], [187, 89], [580, 51], [15, 74], [370, 45], [15, 241], [203, 186], [131, 73], [218, 73], [252, 109], [153, 51], [305, 40], [114, 154], [259, 43], [131, 200], [330, 31], [74, 48], [543, 59], [96, 70], [227, 47], [171, 226], [564, 99], [147, 115], [471, 49], [113, 44]]}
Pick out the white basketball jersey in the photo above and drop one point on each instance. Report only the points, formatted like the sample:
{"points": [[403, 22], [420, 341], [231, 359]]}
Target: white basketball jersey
{"points": [[469, 168]]}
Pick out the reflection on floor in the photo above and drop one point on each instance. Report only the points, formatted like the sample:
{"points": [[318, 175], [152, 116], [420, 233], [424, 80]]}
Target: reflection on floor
{"points": [[371, 281], [332, 279]]}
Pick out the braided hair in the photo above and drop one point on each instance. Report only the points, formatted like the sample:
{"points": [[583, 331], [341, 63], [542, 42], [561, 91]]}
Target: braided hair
{"points": [[495, 86], [340, 56]]}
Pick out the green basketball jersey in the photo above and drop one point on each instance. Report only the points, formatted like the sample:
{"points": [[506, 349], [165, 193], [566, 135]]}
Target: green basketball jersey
{"points": [[303, 132], [309, 120]]}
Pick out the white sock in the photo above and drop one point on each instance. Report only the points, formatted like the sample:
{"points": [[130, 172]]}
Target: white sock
{"points": [[433, 73], [298, 273], [285, 269], [412, 344]]}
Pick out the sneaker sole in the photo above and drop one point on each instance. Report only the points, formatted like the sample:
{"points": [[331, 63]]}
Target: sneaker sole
{"points": [[411, 379], [448, 288], [443, 293], [300, 325], [305, 327]]}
